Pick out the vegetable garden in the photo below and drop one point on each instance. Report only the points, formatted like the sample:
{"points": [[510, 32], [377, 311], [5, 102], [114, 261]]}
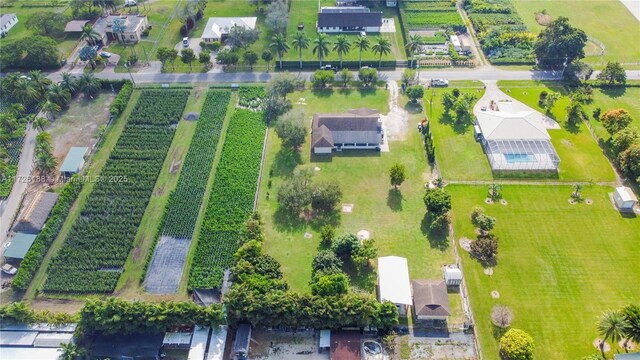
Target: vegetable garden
{"points": [[436, 14], [231, 200], [251, 96], [502, 34], [91, 259]]}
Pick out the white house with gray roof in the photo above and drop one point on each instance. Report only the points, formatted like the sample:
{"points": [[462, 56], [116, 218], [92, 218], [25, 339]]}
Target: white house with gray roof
{"points": [[515, 140], [353, 129], [348, 19], [218, 28], [7, 21]]}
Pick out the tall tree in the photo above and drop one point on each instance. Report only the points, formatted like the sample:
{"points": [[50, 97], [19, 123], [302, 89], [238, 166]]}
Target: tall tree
{"points": [[69, 83], [204, 58], [397, 175], [188, 57], [90, 35], [50, 109], [250, 58], [631, 314], [612, 326], [279, 43], [267, 56], [362, 43], [277, 18], [300, 42], [58, 95], [560, 43], [90, 85], [321, 46], [88, 53], [47, 22], [413, 45], [613, 74], [40, 123], [341, 46], [381, 46], [38, 81]]}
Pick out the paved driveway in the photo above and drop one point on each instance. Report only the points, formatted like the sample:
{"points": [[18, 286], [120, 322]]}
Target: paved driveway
{"points": [[194, 44]]}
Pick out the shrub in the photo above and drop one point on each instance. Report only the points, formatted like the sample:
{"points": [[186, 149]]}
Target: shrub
{"points": [[615, 120], [501, 316], [345, 245], [121, 101], [330, 284], [516, 344], [326, 261], [438, 201], [415, 92], [368, 76], [485, 248], [327, 233], [485, 222]]}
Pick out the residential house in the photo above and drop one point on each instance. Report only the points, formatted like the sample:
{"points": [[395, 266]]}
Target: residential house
{"points": [[7, 21], [348, 19], [354, 129], [134, 26], [430, 300], [218, 28]]}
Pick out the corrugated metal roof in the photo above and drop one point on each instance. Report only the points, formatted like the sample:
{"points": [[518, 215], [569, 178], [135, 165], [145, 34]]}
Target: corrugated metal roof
{"points": [[176, 338], [393, 280], [199, 343], [217, 342], [52, 340], [74, 160], [20, 244], [17, 338], [29, 353], [325, 338]]}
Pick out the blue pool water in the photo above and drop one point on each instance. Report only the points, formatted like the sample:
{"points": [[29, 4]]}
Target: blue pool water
{"points": [[519, 158]]}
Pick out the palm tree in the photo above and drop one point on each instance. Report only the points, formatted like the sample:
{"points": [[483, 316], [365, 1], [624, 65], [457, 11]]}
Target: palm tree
{"points": [[25, 92], [300, 41], [89, 34], [342, 46], [69, 351], [39, 81], [69, 83], [382, 46], [58, 95], [45, 163], [413, 45], [50, 109], [89, 85], [362, 42], [611, 326], [632, 314], [10, 82], [281, 46], [40, 123], [321, 47]]}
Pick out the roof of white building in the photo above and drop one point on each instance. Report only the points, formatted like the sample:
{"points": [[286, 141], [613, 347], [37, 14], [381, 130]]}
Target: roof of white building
{"points": [[393, 280], [506, 125], [626, 194], [217, 26]]}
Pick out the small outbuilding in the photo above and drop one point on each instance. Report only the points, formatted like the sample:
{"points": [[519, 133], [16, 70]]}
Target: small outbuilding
{"points": [[325, 340], [624, 198], [7, 21], [75, 26], [52, 340], [74, 161], [35, 215], [198, 347], [20, 245], [243, 337], [345, 345], [393, 282], [452, 276], [217, 342], [430, 300]]}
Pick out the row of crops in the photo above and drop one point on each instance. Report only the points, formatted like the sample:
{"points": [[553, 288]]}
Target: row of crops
{"points": [[14, 149], [502, 33], [231, 200], [251, 96], [183, 207], [92, 256], [431, 15]]}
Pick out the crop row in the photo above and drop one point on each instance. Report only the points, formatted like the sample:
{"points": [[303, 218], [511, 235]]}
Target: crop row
{"points": [[430, 15], [231, 200], [251, 96], [100, 240], [184, 204]]}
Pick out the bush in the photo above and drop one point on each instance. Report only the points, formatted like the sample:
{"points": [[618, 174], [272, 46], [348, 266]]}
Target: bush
{"points": [[516, 344], [501, 316], [438, 201], [330, 284], [121, 101], [484, 222], [327, 233], [368, 76], [321, 78], [326, 261], [485, 248], [415, 92], [345, 245], [615, 120]]}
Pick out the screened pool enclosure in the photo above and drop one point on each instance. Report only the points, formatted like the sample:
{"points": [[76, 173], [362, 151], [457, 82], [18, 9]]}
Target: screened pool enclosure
{"points": [[521, 154]]}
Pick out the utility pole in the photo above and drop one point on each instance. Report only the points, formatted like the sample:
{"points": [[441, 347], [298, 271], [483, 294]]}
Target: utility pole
{"points": [[129, 69]]}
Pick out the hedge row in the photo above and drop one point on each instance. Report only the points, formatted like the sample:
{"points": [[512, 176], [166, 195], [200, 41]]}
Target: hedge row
{"points": [[45, 238], [314, 64], [117, 84], [121, 101]]}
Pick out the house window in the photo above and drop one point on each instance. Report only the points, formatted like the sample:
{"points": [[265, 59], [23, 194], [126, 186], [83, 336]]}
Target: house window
{"points": [[132, 37]]}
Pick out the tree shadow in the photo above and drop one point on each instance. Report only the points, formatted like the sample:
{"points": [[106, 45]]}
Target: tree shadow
{"points": [[285, 162], [413, 108], [322, 92], [364, 280], [345, 91], [459, 127], [331, 218], [614, 91], [367, 91], [394, 200], [572, 126], [285, 221], [497, 331], [437, 239]]}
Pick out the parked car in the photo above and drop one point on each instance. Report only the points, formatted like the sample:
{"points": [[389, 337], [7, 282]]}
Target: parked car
{"points": [[130, 2], [185, 42], [105, 54], [363, 34], [439, 82], [9, 270], [329, 67]]}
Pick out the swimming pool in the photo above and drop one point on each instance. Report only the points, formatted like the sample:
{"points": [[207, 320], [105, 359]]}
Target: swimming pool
{"points": [[519, 158]]}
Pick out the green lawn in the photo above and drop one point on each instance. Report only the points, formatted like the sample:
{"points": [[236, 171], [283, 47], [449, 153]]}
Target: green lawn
{"points": [[559, 265], [607, 99], [394, 219], [458, 155], [607, 21], [581, 158]]}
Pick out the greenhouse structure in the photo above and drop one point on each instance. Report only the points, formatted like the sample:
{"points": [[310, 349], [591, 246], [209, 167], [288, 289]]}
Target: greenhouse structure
{"points": [[515, 141]]}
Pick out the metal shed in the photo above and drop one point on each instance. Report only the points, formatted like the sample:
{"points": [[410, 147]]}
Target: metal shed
{"points": [[624, 198], [35, 215], [29, 353], [74, 161], [20, 245], [452, 276], [52, 340], [17, 338], [176, 340], [393, 282], [243, 337], [199, 343], [217, 342]]}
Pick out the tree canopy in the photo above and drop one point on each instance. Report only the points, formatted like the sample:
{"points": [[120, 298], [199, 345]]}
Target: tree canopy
{"points": [[516, 344], [291, 128], [560, 43]]}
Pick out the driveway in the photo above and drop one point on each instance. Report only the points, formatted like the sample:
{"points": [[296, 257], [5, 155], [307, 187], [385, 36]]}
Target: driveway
{"points": [[388, 26], [493, 92], [194, 44]]}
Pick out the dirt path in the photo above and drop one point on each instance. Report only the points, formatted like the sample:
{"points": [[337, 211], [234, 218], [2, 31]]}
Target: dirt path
{"points": [[396, 122]]}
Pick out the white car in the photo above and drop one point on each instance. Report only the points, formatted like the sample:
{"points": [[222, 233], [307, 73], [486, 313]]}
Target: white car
{"points": [[439, 82], [9, 270], [130, 3], [185, 42]]}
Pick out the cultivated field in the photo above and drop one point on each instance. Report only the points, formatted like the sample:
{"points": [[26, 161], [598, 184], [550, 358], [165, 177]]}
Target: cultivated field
{"points": [[559, 265]]}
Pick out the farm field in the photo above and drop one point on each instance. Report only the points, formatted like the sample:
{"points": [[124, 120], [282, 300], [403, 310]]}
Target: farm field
{"points": [[393, 218], [429, 15], [231, 199], [595, 18], [552, 258], [581, 158], [117, 203]]}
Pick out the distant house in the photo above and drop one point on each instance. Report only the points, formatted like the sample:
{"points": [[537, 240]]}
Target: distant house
{"points": [[134, 26], [430, 300], [393, 282], [7, 21], [37, 341], [392, 3], [35, 215], [354, 129], [515, 141], [218, 28], [74, 161], [75, 26], [631, 356], [348, 19]]}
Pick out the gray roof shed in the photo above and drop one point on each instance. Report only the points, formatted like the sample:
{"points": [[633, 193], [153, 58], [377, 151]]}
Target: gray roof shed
{"points": [[33, 217], [74, 160], [20, 244]]}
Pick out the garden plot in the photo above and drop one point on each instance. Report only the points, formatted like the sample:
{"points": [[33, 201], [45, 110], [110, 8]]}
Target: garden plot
{"points": [[167, 265]]}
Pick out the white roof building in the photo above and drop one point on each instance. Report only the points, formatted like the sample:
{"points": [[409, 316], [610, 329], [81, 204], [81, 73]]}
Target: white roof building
{"points": [[219, 27], [624, 198], [515, 140], [217, 342], [393, 281]]}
